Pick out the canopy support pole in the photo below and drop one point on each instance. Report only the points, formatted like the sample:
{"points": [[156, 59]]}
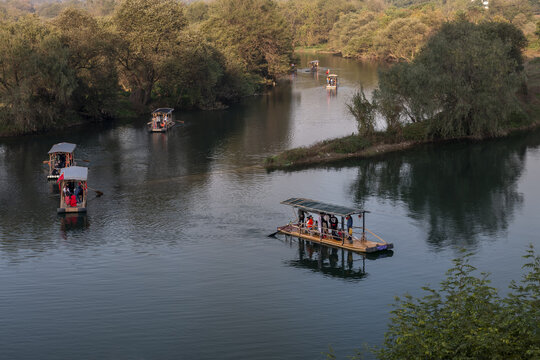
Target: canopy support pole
{"points": [[363, 225], [342, 230]]}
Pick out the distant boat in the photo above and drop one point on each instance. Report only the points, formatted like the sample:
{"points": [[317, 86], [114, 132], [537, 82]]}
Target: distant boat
{"points": [[162, 120], [314, 64], [331, 82], [60, 156]]}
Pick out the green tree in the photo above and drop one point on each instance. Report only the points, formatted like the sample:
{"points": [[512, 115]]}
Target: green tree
{"points": [[36, 81], [467, 319], [252, 33], [463, 81], [147, 32], [195, 75], [401, 39], [353, 33], [91, 57], [364, 112], [311, 21]]}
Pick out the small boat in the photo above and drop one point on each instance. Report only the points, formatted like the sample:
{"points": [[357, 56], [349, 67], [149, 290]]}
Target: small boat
{"points": [[314, 65], [162, 120], [331, 82], [336, 236], [60, 156], [73, 177]]}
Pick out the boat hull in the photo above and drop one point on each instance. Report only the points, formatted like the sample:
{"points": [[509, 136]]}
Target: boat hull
{"points": [[71, 210], [161, 130]]}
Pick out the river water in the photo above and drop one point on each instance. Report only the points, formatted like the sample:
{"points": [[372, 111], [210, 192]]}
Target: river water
{"points": [[174, 262]]}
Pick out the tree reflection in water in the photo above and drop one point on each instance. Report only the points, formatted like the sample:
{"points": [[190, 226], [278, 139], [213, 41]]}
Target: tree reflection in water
{"points": [[458, 190], [330, 261]]}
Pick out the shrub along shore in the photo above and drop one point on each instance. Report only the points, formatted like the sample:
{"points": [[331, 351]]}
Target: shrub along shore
{"points": [[355, 147]]}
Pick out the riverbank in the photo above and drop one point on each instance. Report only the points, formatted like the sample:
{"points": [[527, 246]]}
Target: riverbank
{"points": [[355, 147]]}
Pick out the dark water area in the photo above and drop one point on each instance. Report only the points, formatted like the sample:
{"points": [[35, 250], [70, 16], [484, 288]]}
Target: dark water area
{"points": [[174, 260]]}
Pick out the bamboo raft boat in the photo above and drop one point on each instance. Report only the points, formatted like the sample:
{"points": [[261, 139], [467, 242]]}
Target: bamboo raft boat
{"points": [[162, 120], [314, 65], [331, 82], [60, 156], [364, 242], [72, 177]]}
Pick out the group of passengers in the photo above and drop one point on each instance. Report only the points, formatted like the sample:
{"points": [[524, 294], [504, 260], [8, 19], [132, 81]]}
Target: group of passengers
{"points": [[326, 226], [331, 81], [61, 161], [160, 121], [73, 194]]}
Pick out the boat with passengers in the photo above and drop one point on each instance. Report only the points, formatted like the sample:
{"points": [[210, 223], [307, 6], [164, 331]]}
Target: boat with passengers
{"points": [[331, 82], [162, 120], [314, 65], [328, 230], [60, 156], [73, 189]]}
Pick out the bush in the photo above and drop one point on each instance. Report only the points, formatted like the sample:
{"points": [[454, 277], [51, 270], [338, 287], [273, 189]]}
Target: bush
{"points": [[467, 319], [415, 131], [349, 144]]}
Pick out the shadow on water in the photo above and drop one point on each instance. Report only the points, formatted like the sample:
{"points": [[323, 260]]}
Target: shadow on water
{"points": [[331, 262], [457, 191]]}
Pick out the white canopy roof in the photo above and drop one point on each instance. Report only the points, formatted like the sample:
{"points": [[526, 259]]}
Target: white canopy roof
{"points": [[62, 147], [75, 173]]}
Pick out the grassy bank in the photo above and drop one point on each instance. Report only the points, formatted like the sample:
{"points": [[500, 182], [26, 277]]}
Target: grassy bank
{"points": [[354, 146]]}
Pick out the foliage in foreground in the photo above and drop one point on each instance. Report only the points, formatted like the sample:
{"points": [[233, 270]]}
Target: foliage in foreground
{"points": [[467, 319]]}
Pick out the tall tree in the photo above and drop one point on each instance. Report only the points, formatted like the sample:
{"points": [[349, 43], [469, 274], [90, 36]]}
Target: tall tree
{"points": [[36, 81], [464, 80], [91, 56], [147, 34], [253, 33]]}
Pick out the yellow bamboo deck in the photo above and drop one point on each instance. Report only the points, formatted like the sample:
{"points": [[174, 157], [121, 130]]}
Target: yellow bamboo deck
{"points": [[357, 244]]}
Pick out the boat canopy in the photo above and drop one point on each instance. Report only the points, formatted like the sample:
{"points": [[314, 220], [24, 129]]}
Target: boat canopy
{"points": [[319, 207], [332, 75], [62, 148], [314, 62], [79, 173], [163, 111]]}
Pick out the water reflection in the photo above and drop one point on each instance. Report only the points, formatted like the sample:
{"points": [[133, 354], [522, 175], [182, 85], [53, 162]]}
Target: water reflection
{"points": [[458, 191], [330, 261], [73, 223]]}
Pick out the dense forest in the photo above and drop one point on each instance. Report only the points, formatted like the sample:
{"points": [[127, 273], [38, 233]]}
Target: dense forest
{"points": [[82, 60]]}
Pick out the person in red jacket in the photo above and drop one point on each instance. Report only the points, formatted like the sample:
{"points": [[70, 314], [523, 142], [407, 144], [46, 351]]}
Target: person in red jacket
{"points": [[73, 201], [310, 223]]}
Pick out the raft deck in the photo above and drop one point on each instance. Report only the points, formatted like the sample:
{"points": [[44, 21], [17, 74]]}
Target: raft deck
{"points": [[356, 244]]}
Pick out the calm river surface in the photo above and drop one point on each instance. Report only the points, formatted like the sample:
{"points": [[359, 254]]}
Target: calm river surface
{"points": [[174, 262]]}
